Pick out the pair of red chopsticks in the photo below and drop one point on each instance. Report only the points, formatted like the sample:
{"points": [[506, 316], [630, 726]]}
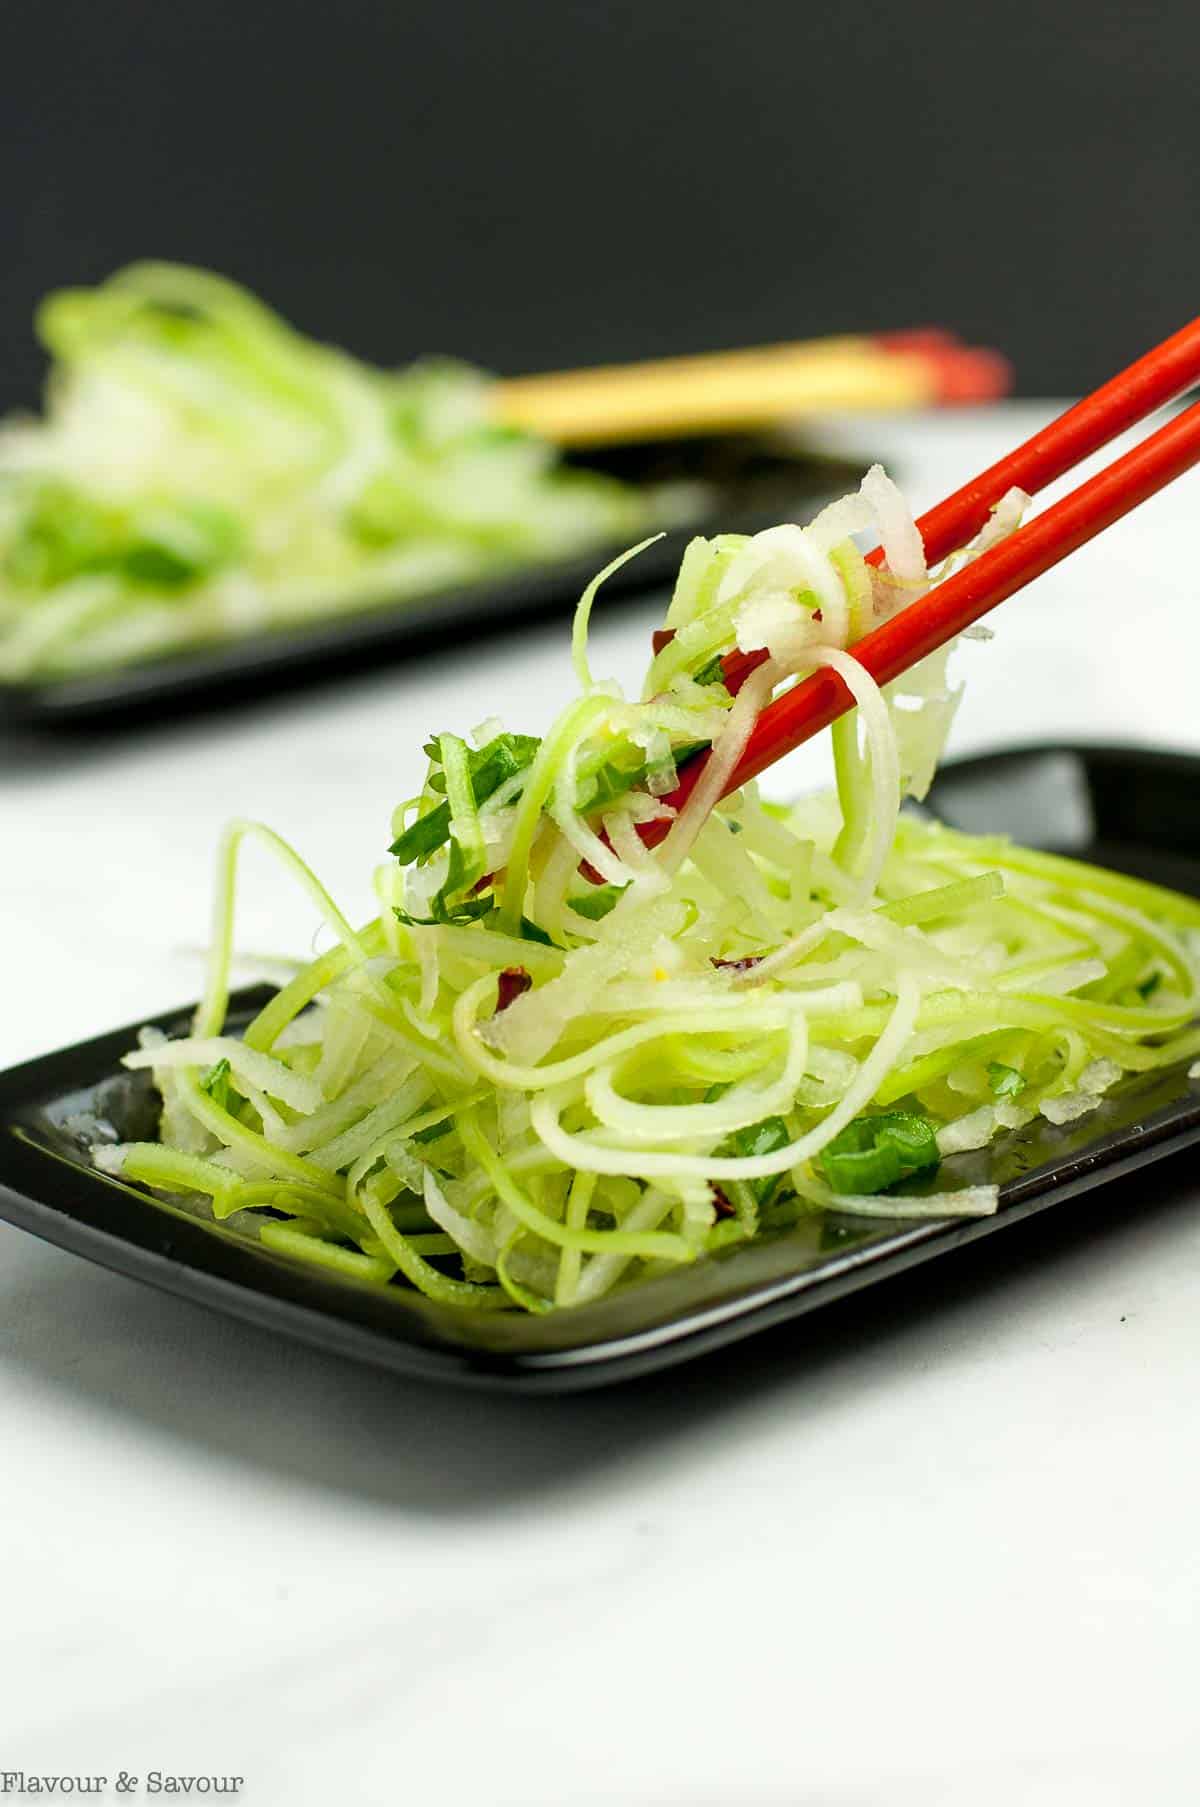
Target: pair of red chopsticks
{"points": [[1164, 373]]}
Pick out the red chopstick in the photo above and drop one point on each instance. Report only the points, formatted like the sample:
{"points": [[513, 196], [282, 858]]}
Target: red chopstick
{"points": [[1088, 427], [960, 600]]}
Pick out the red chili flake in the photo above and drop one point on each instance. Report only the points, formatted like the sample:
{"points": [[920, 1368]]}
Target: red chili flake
{"points": [[513, 981], [662, 636], [817, 615], [724, 1208], [746, 964]]}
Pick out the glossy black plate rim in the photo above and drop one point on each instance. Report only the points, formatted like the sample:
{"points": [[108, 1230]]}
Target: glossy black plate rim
{"points": [[111, 1223], [181, 1262]]}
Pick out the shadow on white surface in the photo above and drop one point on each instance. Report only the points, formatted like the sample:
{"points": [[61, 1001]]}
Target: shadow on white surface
{"points": [[253, 1401]]}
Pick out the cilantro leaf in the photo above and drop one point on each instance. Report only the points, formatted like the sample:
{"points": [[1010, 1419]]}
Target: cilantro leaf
{"points": [[216, 1082], [467, 909], [597, 901], [1006, 1082], [746, 1198], [533, 931], [616, 777], [713, 672], [756, 1139], [489, 767]]}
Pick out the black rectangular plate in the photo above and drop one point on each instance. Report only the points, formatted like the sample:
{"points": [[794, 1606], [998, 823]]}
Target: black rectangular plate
{"points": [[754, 481], [1132, 808]]}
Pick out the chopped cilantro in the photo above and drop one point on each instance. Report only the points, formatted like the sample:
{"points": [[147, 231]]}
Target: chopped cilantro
{"points": [[1006, 1082], [873, 1153]]}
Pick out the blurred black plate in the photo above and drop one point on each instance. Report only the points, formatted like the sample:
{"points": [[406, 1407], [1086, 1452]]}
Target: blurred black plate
{"points": [[1135, 810], [754, 482]]}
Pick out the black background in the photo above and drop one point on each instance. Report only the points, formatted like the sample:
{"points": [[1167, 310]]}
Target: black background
{"points": [[533, 185]]}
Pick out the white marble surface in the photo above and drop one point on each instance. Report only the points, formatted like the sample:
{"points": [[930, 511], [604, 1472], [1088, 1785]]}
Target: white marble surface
{"points": [[940, 1548]]}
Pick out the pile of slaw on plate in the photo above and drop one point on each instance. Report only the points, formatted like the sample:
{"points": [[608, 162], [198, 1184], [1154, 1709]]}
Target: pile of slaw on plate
{"points": [[203, 471], [557, 1061]]}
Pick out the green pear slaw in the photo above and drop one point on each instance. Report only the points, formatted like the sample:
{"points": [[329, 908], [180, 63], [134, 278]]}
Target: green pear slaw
{"points": [[557, 1061], [203, 471]]}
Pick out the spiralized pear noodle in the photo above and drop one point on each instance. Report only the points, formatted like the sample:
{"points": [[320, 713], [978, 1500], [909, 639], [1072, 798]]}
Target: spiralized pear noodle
{"points": [[524, 1084], [885, 768], [722, 762]]}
